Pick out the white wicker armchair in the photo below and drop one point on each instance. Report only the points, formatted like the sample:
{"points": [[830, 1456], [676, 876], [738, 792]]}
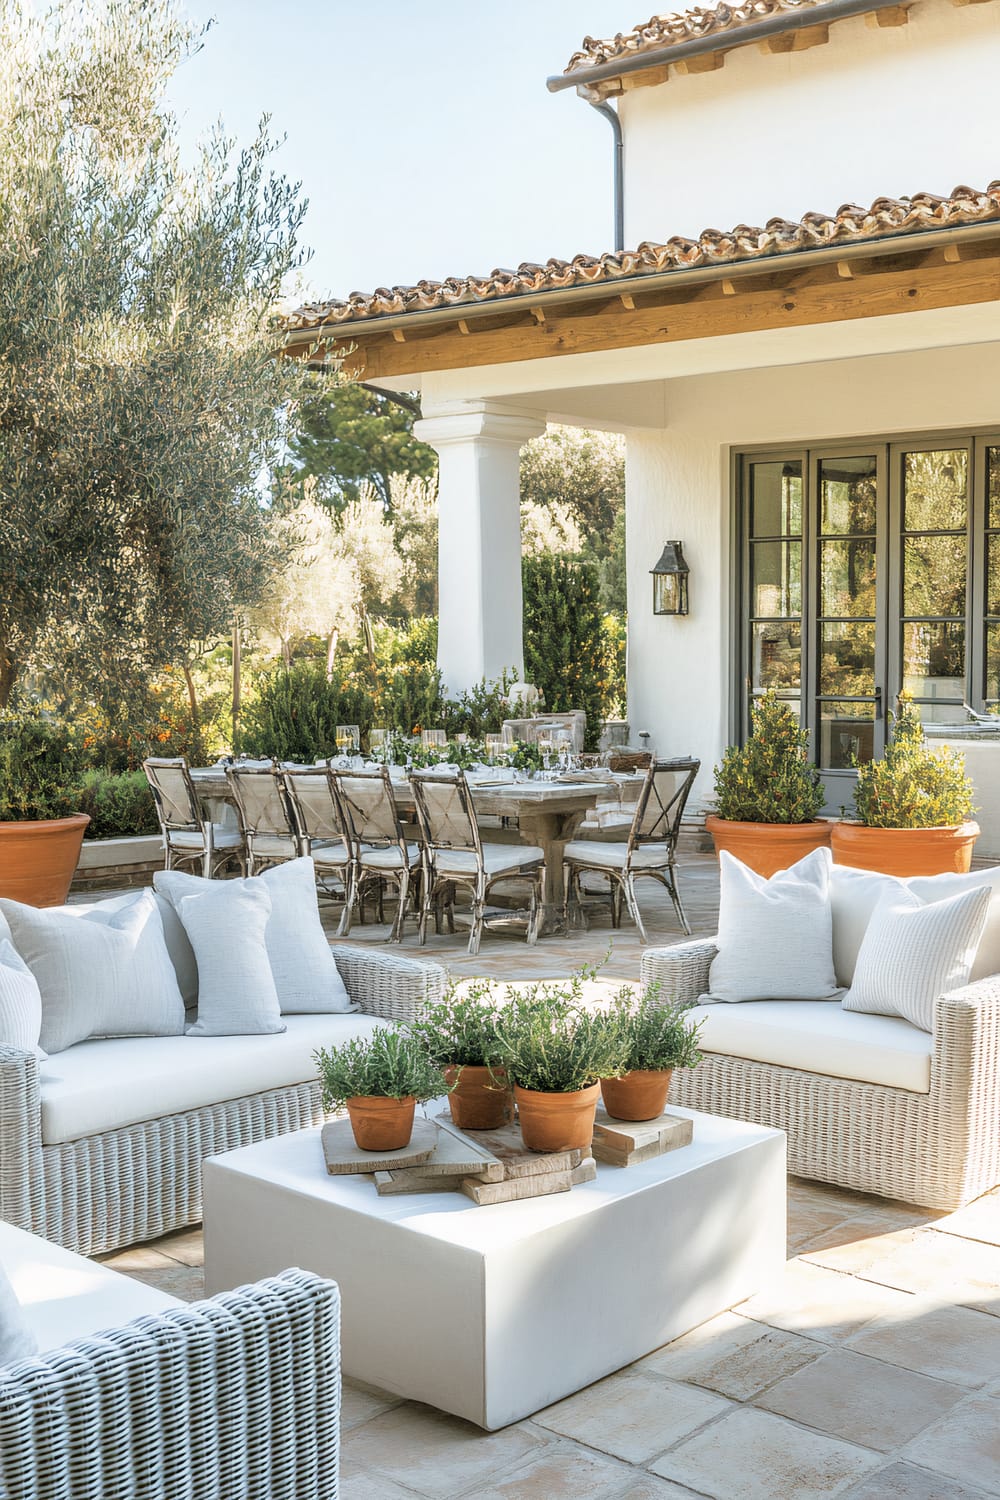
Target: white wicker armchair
{"points": [[116, 1188], [236, 1398], [938, 1149]]}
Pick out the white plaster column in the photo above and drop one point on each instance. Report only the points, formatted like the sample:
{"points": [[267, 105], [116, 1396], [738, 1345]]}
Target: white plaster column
{"points": [[479, 538]]}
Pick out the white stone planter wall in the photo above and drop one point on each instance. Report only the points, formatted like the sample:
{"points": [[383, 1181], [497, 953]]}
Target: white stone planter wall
{"points": [[108, 863]]}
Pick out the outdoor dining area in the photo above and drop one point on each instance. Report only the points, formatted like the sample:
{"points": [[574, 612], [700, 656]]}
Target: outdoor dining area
{"points": [[521, 828]]}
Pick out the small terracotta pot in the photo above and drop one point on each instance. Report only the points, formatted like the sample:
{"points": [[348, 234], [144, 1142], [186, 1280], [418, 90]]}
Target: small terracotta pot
{"points": [[905, 851], [381, 1124], [38, 860], [767, 847], [640, 1095], [557, 1122], [477, 1101]]}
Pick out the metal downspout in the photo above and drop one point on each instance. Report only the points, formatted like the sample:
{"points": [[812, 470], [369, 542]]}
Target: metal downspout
{"points": [[611, 115]]}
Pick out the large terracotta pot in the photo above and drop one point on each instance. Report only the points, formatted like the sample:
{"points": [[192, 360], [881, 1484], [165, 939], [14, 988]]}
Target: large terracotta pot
{"points": [[37, 860], [557, 1122], [639, 1095], [768, 847], [381, 1124], [477, 1101], [905, 851]]}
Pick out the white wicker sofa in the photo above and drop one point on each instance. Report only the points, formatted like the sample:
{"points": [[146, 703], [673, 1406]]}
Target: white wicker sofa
{"points": [[101, 1145], [133, 1395], [868, 1102]]}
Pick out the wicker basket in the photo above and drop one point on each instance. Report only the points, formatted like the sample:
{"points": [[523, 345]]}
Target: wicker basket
{"points": [[629, 760]]}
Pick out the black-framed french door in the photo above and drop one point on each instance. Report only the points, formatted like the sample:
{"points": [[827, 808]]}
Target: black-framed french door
{"points": [[867, 567]]}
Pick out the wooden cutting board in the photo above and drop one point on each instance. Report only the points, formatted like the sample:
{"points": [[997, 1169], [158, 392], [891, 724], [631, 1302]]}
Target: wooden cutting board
{"points": [[621, 1143]]}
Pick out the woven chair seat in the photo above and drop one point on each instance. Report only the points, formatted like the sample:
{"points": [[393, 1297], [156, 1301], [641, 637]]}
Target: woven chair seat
{"points": [[497, 858], [373, 858], [328, 852]]}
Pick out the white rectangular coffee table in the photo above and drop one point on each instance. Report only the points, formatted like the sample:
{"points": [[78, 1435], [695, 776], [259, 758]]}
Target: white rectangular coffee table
{"points": [[493, 1313]]}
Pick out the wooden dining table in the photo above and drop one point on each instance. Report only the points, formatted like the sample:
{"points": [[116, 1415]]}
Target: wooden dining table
{"points": [[547, 815]]}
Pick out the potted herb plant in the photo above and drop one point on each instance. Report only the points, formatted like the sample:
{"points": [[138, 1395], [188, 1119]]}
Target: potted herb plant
{"points": [[768, 794], [41, 828], [656, 1038], [555, 1053], [914, 807], [379, 1080], [461, 1037]]}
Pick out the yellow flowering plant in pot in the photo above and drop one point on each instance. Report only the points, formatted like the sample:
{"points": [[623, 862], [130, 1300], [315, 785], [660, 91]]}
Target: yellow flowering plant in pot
{"points": [[768, 793]]}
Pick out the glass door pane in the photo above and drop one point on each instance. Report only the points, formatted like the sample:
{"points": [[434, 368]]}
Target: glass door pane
{"points": [[934, 505], [846, 679], [991, 612], [774, 491]]}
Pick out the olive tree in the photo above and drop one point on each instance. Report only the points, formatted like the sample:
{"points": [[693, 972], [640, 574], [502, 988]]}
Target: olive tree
{"points": [[140, 401]]}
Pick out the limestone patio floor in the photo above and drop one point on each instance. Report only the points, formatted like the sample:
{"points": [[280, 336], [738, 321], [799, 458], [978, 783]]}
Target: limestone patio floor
{"points": [[870, 1369]]}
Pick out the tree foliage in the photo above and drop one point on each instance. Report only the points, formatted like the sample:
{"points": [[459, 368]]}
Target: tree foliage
{"points": [[564, 654], [139, 402], [349, 435]]}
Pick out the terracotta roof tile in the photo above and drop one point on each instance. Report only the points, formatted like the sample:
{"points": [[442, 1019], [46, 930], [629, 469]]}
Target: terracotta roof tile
{"points": [[676, 28], [850, 225]]}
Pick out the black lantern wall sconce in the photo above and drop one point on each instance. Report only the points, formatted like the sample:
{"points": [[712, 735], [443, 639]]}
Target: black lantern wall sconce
{"points": [[670, 581]]}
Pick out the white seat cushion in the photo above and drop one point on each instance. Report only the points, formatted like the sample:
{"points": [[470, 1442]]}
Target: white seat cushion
{"points": [[64, 1297], [819, 1036], [390, 858], [222, 838], [496, 859], [275, 846], [329, 853], [99, 1086], [612, 856]]}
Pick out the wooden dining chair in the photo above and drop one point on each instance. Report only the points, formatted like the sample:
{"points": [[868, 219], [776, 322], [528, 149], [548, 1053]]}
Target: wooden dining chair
{"points": [[379, 847], [322, 834], [189, 837], [455, 855], [265, 816]]}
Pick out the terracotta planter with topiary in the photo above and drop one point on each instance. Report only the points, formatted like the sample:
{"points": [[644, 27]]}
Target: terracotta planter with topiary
{"points": [[381, 1124], [379, 1079], [478, 1098], [38, 858], [557, 1121], [656, 1036], [768, 795], [460, 1035], [914, 808]]}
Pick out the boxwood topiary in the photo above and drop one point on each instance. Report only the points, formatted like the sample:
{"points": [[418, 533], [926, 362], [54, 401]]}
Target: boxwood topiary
{"points": [[913, 786], [769, 779]]}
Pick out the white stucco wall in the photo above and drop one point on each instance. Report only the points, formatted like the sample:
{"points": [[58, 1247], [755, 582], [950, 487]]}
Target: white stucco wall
{"points": [[873, 111], [677, 484]]}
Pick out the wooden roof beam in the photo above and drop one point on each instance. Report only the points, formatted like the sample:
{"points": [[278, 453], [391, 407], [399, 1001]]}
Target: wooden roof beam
{"points": [[889, 15], [796, 41], [705, 62]]}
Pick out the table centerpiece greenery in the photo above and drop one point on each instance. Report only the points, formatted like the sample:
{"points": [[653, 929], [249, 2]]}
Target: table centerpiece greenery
{"points": [[379, 1080], [656, 1037], [462, 1037]]}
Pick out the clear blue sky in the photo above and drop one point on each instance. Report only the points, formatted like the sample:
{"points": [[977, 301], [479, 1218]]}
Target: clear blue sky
{"points": [[423, 134]]}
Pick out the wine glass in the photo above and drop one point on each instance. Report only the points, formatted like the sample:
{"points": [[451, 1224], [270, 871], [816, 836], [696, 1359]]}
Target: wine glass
{"points": [[494, 747], [433, 739], [377, 743]]}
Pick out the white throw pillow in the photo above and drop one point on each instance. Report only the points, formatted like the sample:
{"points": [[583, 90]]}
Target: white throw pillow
{"points": [[775, 936], [856, 893], [914, 953], [16, 1339], [226, 921], [20, 1002], [102, 970], [302, 963]]}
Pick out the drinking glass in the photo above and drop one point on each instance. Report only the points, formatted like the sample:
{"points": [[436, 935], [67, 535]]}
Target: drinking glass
{"points": [[376, 744], [348, 738], [494, 747], [435, 738]]}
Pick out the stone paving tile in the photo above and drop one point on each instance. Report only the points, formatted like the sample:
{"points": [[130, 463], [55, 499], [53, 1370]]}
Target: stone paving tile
{"points": [[185, 1245], [821, 1304], [906, 1482], [976, 1221], [185, 1282], [965, 1446], [946, 1266], [357, 1483], [948, 1343], [862, 1400], [732, 1356], [139, 1258], [360, 1402], [753, 1455], [435, 1454], [630, 1415], [854, 1253], [567, 1471]]}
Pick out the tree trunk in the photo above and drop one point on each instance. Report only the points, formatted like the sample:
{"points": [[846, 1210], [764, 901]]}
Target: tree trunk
{"points": [[286, 654], [237, 677], [192, 698], [8, 676], [331, 651]]}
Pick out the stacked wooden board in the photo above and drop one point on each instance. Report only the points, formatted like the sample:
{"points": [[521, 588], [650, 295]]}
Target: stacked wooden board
{"points": [[495, 1166]]}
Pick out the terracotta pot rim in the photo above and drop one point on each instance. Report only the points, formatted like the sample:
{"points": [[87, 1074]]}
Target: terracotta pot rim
{"points": [[640, 1073], [557, 1093], [775, 828], [850, 825], [362, 1099], [45, 825]]}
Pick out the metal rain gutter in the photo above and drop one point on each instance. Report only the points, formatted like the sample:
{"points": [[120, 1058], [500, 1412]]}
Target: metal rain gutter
{"points": [[902, 243], [757, 31]]}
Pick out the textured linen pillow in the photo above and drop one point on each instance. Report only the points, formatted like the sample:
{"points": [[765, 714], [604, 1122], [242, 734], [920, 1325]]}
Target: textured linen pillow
{"points": [[16, 1339], [226, 926], [855, 894], [102, 970], [20, 1002], [914, 953], [305, 974], [775, 936]]}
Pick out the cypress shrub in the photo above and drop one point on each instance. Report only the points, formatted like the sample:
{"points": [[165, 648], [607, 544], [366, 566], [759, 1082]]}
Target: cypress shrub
{"points": [[564, 648]]}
